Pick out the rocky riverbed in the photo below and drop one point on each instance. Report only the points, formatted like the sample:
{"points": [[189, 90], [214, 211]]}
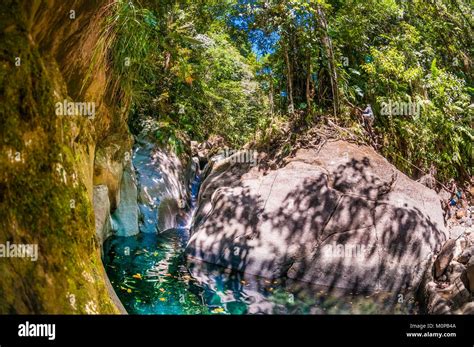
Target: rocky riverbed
{"points": [[338, 220]]}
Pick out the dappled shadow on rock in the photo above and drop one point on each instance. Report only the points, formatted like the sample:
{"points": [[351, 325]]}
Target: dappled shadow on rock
{"points": [[349, 222]]}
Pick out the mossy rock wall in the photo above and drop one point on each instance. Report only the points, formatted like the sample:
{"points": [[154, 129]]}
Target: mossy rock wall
{"points": [[47, 161]]}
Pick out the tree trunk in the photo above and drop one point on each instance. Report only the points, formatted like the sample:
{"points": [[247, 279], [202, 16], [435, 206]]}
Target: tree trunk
{"points": [[291, 106], [270, 96], [167, 61], [328, 48], [308, 85]]}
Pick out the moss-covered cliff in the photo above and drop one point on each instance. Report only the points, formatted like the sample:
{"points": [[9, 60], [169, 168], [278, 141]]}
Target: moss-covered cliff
{"points": [[47, 160]]}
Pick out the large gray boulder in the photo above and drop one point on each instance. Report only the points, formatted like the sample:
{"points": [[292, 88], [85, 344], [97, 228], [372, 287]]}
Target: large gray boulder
{"points": [[101, 202], [162, 189], [125, 217], [340, 217]]}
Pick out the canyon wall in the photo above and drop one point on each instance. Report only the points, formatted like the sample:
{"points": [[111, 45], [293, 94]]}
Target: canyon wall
{"points": [[51, 159]]}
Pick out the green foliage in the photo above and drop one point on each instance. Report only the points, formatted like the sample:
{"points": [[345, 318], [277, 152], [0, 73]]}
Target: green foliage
{"points": [[190, 82], [224, 97], [133, 30], [417, 51], [195, 71], [37, 185], [441, 134]]}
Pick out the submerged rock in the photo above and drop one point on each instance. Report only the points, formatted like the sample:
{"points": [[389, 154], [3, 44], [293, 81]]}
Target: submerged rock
{"points": [[341, 217]]}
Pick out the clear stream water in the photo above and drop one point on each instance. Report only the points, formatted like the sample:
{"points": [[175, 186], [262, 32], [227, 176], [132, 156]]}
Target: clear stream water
{"points": [[151, 275]]}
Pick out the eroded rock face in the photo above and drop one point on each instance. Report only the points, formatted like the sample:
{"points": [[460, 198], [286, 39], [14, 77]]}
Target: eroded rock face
{"points": [[447, 293], [341, 217], [444, 257], [161, 187], [470, 274], [125, 218], [102, 213], [108, 171], [49, 197]]}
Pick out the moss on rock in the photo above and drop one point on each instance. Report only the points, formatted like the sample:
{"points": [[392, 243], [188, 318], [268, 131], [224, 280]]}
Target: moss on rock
{"points": [[46, 177]]}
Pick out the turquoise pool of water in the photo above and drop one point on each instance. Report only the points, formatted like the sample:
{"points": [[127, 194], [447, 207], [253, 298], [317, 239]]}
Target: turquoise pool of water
{"points": [[151, 275]]}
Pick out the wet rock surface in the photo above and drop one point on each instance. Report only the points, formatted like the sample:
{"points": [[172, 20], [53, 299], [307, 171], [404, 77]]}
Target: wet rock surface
{"points": [[125, 217], [162, 191]]}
